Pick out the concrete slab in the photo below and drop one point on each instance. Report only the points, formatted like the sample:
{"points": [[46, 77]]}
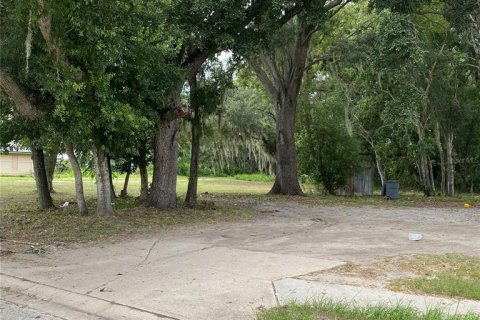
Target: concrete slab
{"points": [[220, 283], [309, 291], [68, 304], [214, 282], [225, 270], [14, 311], [84, 269]]}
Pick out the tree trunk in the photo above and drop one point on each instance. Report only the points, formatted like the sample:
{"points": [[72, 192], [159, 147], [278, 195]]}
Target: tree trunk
{"points": [[450, 166], [191, 197], [432, 178], [438, 142], [347, 111], [124, 191], [142, 166], [104, 194], [44, 198], [380, 169], [50, 162], [286, 178], [425, 174], [110, 178], [163, 194], [281, 75], [77, 171], [143, 182], [424, 168]]}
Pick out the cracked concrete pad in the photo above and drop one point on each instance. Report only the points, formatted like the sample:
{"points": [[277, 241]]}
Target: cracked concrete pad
{"points": [[220, 283], [309, 291], [68, 304], [85, 269], [256, 264], [15, 311], [191, 292], [214, 282]]}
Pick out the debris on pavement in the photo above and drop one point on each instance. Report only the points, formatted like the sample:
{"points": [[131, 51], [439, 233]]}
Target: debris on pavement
{"points": [[414, 236]]}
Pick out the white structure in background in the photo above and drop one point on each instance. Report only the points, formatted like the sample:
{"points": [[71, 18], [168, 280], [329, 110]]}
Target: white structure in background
{"points": [[16, 163]]}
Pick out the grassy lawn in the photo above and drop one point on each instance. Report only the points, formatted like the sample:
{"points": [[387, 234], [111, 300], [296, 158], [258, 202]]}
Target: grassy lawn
{"points": [[21, 221], [327, 310], [65, 225], [18, 193], [450, 275]]}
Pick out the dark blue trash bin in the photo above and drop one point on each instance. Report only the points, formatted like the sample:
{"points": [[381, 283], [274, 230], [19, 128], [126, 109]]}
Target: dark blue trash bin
{"points": [[391, 189]]}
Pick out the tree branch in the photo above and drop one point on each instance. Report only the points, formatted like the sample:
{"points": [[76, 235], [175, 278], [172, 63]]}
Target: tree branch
{"points": [[294, 11], [434, 65], [332, 4], [45, 26], [181, 112], [263, 77], [18, 96], [272, 68]]}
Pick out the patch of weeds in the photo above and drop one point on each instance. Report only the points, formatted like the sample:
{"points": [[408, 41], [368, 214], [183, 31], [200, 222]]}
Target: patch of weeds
{"points": [[66, 225], [37, 250], [450, 275], [329, 310], [15, 207], [22, 220], [126, 203], [204, 205], [261, 177], [354, 269]]}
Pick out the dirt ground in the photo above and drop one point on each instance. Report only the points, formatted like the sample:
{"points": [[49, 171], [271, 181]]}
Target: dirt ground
{"points": [[227, 270]]}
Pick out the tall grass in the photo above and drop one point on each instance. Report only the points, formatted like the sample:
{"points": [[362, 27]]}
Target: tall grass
{"points": [[330, 310]]}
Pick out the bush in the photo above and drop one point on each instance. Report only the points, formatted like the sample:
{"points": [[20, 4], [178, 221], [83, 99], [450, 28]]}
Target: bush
{"points": [[326, 152]]}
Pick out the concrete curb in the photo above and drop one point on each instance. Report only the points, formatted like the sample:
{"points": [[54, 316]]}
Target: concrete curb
{"points": [[68, 304]]}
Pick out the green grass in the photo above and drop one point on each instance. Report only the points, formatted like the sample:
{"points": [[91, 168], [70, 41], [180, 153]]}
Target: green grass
{"points": [[410, 199], [21, 221], [65, 225], [261, 177], [450, 275], [19, 192], [328, 310]]}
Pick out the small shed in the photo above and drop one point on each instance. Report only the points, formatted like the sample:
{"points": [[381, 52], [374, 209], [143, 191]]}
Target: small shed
{"points": [[360, 183], [16, 163]]}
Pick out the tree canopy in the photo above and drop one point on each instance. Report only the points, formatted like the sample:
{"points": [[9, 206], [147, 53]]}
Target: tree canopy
{"points": [[393, 83]]}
